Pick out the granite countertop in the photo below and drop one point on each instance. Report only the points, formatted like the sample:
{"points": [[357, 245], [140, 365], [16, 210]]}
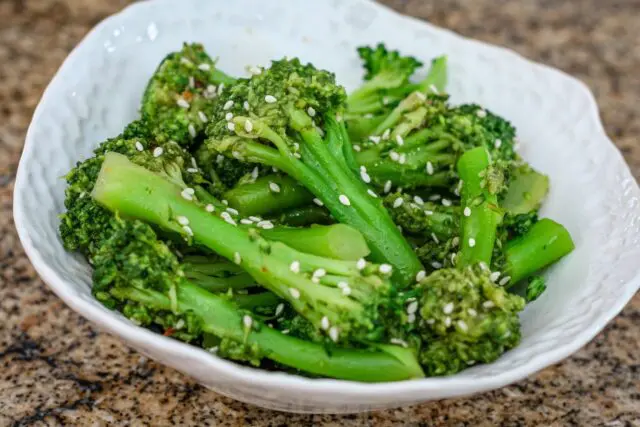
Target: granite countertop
{"points": [[57, 369]]}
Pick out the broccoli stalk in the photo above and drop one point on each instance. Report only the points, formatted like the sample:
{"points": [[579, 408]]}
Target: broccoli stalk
{"points": [[268, 195], [305, 215], [287, 117], [341, 298]]}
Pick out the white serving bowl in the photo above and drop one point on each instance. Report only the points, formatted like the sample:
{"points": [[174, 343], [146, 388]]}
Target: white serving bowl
{"points": [[97, 91]]}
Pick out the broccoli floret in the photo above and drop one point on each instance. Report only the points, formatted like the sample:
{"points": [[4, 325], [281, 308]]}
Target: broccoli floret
{"points": [[180, 94], [466, 319], [288, 117], [415, 216], [536, 286]]}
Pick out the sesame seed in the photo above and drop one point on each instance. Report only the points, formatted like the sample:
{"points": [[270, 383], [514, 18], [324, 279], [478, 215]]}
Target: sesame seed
{"points": [[237, 258], [227, 105], [472, 312], [220, 88], [311, 112], [285, 331], [192, 170], [255, 70], [455, 241], [412, 307], [488, 304], [255, 218], [248, 126], [324, 323], [431, 321], [186, 195], [274, 187], [180, 324], [209, 208], [338, 118], [192, 82], [399, 139], [225, 202], [411, 318], [182, 220], [436, 265], [446, 202], [428, 212], [447, 321], [219, 159], [228, 116], [386, 133], [246, 221], [421, 275], [463, 326], [231, 126], [192, 130], [254, 173], [186, 61], [494, 276], [398, 202], [182, 103], [433, 88], [157, 152], [435, 238], [211, 89], [434, 197], [321, 272], [467, 211], [270, 99], [429, 168], [213, 350], [187, 230], [385, 268], [344, 200], [387, 186], [453, 257], [421, 96], [343, 285], [294, 293], [504, 280], [233, 211], [295, 267], [139, 146], [361, 264], [371, 193], [245, 105], [247, 321], [227, 217], [497, 143], [374, 139], [318, 202], [279, 309], [472, 242], [265, 225], [448, 308], [394, 156], [418, 200], [481, 113], [398, 341], [356, 147], [483, 266], [365, 176], [204, 67], [402, 159], [386, 100], [334, 333]]}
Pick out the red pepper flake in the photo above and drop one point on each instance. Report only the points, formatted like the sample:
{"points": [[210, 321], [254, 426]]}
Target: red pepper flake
{"points": [[168, 332], [187, 95]]}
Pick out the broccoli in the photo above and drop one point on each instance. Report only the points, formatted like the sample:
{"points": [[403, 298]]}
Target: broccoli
{"points": [[289, 117], [536, 286], [179, 95], [140, 274], [417, 217]]}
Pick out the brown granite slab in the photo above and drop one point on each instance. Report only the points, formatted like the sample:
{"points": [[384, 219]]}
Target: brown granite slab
{"points": [[56, 369]]}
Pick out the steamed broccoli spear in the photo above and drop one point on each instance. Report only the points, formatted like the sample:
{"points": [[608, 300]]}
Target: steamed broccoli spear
{"points": [[288, 117], [178, 97], [344, 299], [143, 277]]}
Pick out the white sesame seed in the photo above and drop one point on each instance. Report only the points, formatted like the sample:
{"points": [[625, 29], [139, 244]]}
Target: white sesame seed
{"points": [[374, 139], [434, 197], [274, 187], [334, 333], [270, 99], [295, 267], [279, 309], [467, 211], [356, 148], [394, 156], [343, 285], [180, 324], [421, 96], [311, 112], [429, 168], [233, 211], [447, 321], [481, 113], [385, 268], [186, 195], [418, 200], [227, 217], [428, 212], [433, 88], [372, 193], [192, 170], [245, 105], [209, 208], [220, 88], [339, 118], [411, 318], [398, 202], [213, 350], [399, 139], [448, 308], [193, 163], [265, 225], [412, 307], [139, 146], [446, 202], [182, 220], [483, 266], [472, 312], [321, 272], [453, 257], [472, 242], [318, 202], [436, 265], [248, 126], [344, 200], [488, 304], [186, 61], [255, 70], [227, 105], [254, 173], [386, 133], [497, 143], [255, 218], [324, 323], [463, 326], [237, 258], [421, 275], [494, 276], [157, 152], [285, 331], [192, 82], [212, 89], [294, 293], [387, 186], [219, 159], [398, 341], [182, 103], [225, 202], [187, 230], [365, 176], [402, 159], [228, 116], [431, 321], [247, 321], [435, 238], [192, 130], [455, 241], [246, 221], [386, 100], [231, 126], [204, 67], [504, 280], [361, 264]]}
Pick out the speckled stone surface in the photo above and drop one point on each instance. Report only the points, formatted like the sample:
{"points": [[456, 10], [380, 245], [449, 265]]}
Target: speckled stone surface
{"points": [[56, 369]]}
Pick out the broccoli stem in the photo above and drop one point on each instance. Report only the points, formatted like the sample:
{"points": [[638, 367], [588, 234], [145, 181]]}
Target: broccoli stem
{"points": [[336, 241], [259, 197], [305, 215], [545, 243], [219, 284], [222, 319], [252, 301], [526, 191], [481, 221]]}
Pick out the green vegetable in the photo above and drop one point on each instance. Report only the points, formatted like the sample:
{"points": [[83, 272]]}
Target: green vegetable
{"points": [[268, 195]]}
